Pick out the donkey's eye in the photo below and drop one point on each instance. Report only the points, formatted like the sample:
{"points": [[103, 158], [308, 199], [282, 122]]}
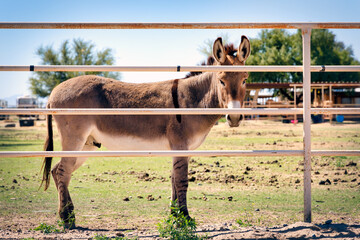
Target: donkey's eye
{"points": [[244, 82], [222, 83]]}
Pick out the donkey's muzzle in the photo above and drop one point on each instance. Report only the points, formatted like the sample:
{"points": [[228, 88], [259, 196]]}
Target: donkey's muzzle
{"points": [[234, 120]]}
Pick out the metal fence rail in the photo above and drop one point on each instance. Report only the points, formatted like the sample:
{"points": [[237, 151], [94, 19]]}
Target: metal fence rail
{"points": [[171, 111], [193, 25], [182, 153], [249, 68], [306, 68]]}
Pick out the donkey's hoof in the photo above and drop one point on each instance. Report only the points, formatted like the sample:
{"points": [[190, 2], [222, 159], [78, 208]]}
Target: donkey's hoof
{"points": [[68, 219], [70, 226]]}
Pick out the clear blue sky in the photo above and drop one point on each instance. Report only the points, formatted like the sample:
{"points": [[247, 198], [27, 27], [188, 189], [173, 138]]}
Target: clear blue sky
{"points": [[152, 47]]}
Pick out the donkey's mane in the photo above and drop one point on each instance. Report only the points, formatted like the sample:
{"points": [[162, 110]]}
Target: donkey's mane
{"points": [[229, 50]]}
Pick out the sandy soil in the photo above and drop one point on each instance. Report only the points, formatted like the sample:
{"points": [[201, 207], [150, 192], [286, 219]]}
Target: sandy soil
{"points": [[298, 230]]}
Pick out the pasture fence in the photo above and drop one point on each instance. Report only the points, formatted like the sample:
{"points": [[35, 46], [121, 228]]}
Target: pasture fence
{"points": [[306, 69]]}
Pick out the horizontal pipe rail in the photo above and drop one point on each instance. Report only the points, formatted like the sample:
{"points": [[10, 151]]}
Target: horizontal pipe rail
{"points": [[330, 153], [171, 111], [189, 25], [150, 111], [103, 68], [335, 111], [177, 153]]}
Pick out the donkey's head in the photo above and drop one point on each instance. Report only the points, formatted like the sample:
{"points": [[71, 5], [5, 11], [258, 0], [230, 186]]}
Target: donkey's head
{"points": [[231, 85]]}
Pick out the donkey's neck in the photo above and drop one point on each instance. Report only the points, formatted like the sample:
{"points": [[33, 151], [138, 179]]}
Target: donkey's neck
{"points": [[199, 91]]}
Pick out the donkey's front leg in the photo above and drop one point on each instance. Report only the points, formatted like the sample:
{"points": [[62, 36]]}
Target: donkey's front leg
{"points": [[62, 175], [179, 179]]}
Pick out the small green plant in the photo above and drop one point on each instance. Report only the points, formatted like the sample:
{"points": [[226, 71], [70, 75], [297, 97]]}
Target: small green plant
{"points": [[61, 224], [243, 223], [70, 222], [246, 221], [339, 162], [100, 237], [43, 227], [177, 226], [103, 237]]}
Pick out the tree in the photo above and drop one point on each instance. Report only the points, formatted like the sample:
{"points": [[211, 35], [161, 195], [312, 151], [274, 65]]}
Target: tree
{"points": [[79, 52], [278, 47], [274, 47], [326, 50]]}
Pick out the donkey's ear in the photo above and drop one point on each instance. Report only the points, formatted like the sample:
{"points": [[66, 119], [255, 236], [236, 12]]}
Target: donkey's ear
{"points": [[218, 51], [244, 49]]}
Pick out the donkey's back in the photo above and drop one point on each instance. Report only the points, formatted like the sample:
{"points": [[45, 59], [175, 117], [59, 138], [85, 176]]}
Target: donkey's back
{"points": [[90, 91], [116, 132]]}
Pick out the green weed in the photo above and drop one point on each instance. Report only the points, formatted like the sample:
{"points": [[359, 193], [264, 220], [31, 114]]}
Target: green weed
{"points": [[177, 226], [103, 237], [340, 161], [44, 228], [246, 220]]}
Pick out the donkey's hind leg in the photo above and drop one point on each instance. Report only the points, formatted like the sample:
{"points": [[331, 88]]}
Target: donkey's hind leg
{"points": [[79, 162], [62, 173]]}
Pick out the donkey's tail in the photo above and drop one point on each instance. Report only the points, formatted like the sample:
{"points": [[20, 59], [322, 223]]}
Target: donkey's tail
{"points": [[48, 146]]}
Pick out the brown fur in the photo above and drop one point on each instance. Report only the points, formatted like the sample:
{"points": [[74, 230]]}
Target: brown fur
{"points": [[168, 131]]}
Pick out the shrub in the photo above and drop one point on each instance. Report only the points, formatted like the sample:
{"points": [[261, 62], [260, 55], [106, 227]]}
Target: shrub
{"points": [[177, 226], [43, 227]]}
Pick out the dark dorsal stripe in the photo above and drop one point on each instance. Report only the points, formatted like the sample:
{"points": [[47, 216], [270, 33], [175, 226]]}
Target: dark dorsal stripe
{"points": [[175, 97]]}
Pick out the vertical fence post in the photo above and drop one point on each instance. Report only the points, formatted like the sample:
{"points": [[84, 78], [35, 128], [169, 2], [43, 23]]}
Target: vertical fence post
{"points": [[306, 34]]}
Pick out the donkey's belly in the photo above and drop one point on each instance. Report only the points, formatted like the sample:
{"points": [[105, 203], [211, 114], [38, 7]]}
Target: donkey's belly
{"points": [[115, 142]]}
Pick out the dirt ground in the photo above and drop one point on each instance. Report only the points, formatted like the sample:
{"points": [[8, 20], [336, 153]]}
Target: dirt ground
{"points": [[21, 228], [298, 230]]}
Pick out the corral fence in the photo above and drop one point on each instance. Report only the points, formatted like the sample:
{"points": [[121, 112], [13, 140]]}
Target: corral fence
{"points": [[306, 68]]}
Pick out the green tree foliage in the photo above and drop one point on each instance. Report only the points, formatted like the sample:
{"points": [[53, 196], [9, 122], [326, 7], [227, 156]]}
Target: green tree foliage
{"points": [[326, 50], [278, 47], [79, 52], [273, 47]]}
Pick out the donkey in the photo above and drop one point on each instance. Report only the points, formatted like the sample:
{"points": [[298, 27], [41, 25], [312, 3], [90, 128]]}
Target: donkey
{"points": [[162, 132]]}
